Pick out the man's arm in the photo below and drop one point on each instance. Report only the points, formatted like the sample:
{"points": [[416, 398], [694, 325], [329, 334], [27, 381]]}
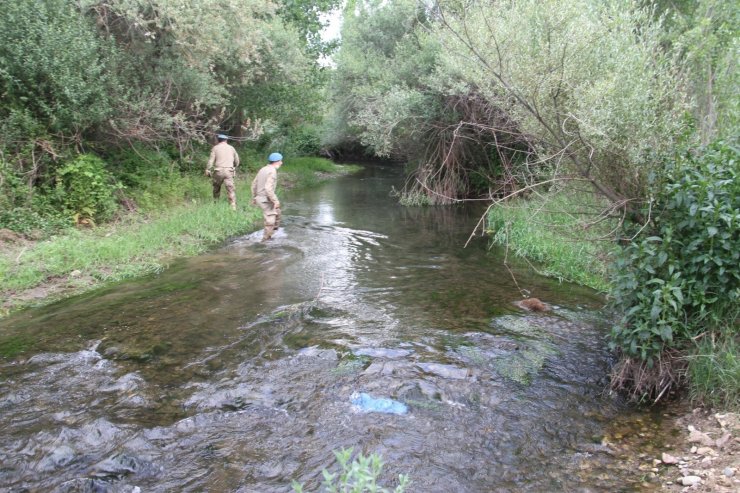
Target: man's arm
{"points": [[254, 190], [236, 158], [270, 189], [211, 160]]}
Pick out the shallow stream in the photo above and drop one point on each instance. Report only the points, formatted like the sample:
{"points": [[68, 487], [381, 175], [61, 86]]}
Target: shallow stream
{"points": [[236, 370]]}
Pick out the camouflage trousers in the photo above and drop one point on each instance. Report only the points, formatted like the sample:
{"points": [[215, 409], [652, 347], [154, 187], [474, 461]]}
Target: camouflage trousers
{"points": [[224, 177], [271, 215]]}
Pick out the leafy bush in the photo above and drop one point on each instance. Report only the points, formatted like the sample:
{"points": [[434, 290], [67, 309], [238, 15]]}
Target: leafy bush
{"points": [[11, 186], [84, 189], [358, 476], [305, 141], [137, 166], [52, 71], [25, 213], [682, 278], [30, 220]]}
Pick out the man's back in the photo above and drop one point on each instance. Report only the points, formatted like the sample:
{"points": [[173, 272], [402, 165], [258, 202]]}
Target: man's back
{"points": [[264, 183], [224, 156]]}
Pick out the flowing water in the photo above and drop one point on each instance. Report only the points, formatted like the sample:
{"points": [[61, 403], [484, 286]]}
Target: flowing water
{"points": [[236, 370]]}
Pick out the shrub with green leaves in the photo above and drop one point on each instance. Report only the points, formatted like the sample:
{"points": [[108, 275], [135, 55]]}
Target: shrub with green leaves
{"points": [[84, 189], [137, 166], [52, 69], [681, 280]]}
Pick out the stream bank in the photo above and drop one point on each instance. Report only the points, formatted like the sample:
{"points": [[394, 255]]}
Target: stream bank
{"points": [[36, 272]]}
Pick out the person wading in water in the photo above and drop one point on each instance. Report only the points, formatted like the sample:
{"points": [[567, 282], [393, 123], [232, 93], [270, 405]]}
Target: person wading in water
{"points": [[221, 168], [263, 194]]}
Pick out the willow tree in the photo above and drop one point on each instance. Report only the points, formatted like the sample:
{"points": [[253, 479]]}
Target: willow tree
{"points": [[388, 100], [195, 60], [588, 83]]}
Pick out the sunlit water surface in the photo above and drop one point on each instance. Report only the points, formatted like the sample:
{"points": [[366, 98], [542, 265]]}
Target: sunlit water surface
{"points": [[234, 370]]}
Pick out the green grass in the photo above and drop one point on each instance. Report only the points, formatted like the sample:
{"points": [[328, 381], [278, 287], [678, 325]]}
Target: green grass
{"points": [[308, 171], [553, 232], [714, 372], [134, 246]]}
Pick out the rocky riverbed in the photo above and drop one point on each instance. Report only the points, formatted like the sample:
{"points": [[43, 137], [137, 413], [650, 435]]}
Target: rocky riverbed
{"points": [[705, 457]]}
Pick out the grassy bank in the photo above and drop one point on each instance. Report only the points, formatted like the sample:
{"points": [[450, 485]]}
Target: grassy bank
{"points": [[76, 260], [555, 232], [714, 371], [550, 230]]}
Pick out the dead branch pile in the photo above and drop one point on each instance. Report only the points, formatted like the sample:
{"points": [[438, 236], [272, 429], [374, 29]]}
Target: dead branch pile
{"points": [[643, 381], [474, 151]]}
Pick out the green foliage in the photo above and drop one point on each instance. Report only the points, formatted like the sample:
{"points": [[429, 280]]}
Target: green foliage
{"points": [[707, 34], [151, 177], [12, 189], [53, 73], [135, 246], [306, 16], [681, 277], [84, 189], [305, 141], [358, 475], [381, 58], [138, 165], [34, 220], [588, 80], [414, 198]]}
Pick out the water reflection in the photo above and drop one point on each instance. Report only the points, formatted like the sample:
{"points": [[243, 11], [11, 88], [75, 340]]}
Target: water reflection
{"points": [[234, 371]]}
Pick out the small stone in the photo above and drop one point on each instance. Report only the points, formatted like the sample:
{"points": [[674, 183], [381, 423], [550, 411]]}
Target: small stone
{"points": [[690, 480], [729, 472], [696, 436], [657, 462], [706, 451], [720, 442], [668, 459], [75, 273], [693, 449]]}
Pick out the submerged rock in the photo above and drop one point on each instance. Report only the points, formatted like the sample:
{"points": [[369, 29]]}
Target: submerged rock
{"points": [[445, 371], [533, 305], [382, 352]]}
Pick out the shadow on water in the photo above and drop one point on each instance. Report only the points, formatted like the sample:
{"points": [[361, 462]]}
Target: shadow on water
{"points": [[234, 371]]}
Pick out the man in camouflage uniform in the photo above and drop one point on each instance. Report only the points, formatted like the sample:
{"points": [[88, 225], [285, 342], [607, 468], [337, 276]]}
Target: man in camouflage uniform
{"points": [[263, 194], [222, 169]]}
